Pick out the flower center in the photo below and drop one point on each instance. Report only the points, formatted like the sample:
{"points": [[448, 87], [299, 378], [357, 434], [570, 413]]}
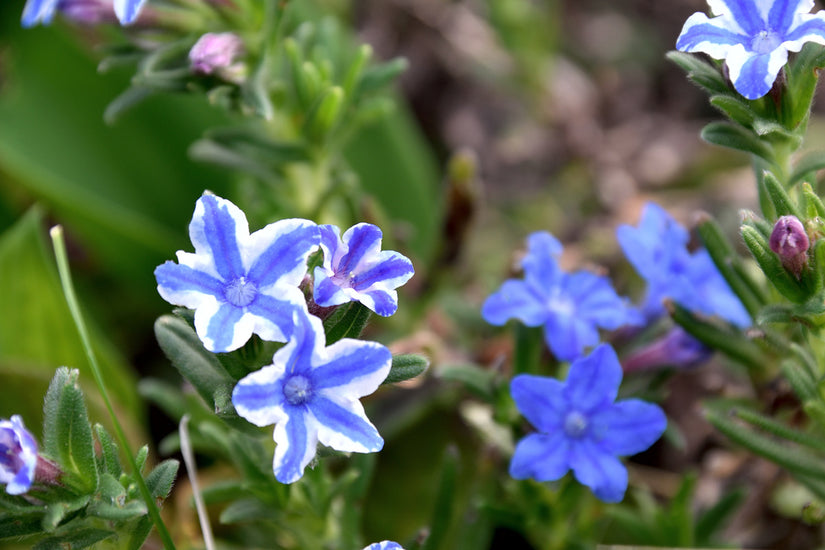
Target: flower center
{"points": [[575, 424], [240, 292], [344, 280], [297, 390], [765, 42]]}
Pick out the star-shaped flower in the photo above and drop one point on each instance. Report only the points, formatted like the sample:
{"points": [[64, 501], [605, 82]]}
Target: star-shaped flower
{"points": [[571, 306], [310, 392], [42, 11], [18, 456], [237, 283], [384, 545], [356, 269], [753, 37], [580, 428], [657, 249]]}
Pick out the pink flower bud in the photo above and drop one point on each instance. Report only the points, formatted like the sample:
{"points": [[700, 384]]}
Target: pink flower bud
{"points": [[215, 52], [790, 242]]}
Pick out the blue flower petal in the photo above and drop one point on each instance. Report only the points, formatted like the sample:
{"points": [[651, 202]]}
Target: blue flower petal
{"points": [[306, 342], [540, 400], [382, 302], [182, 285], [221, 331], [568, 334], [514, 300], [711, 295], [279, 252], [541, 269], [127, 10], [746, 13], [781, 15], [275, 317], [38, 11], [812, 29], [297, 440], [630, 426], [594, 380], [754, 78], [384, 545], [597, 301], [259, 396], [361, 241], [344, 425], [602, 472], [354, 367], [543, 457], [391, 270], [326, 293], [701, 34], [216, 229], [330, 243]]}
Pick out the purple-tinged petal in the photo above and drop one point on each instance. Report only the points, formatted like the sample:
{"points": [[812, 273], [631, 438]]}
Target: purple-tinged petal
{"points": [[811, 28], [594, 380], [389, 270], [541, 269], [602, 472], [540, 400], [297, 441], [325, 292], [343, 424], [278, 253], [216, 229], [353, 367], [128, 10], [714, 37], [362, 242], [543, 457], [568, 335], [38, 11], [514, 300], [222, 327], [181, 285], [382, 302], [629, 427], [745, 13], [259, 396]]}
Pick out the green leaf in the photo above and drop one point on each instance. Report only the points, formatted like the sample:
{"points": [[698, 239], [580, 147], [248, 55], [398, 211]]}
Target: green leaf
{"points": [[444, 501], [737, 109], [114, 511], [802, 78], [378, 77], [20, 525], [246, 511], [782, 203], [108, 452], [350, 324], [405, 367], [725, 134], [56, 511], [700, 72], [162, 477], [714, 518], [814, 206], [475, 378], [140, 533], [75, 540], [809, 164]]}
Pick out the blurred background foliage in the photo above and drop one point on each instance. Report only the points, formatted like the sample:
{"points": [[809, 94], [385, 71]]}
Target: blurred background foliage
{"points": [[513, 116]]}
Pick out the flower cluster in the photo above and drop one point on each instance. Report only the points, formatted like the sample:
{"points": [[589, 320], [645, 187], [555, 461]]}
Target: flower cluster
{"points": [[86, 11], [753, 37], [240, 284], [18, 456], [570, 306], [658, 251], [581, 428]]}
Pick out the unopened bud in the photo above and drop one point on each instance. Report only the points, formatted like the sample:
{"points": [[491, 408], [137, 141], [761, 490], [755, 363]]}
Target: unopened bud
{"points": [[676, 349], [790, 242], [217, 53], [88, 12]]}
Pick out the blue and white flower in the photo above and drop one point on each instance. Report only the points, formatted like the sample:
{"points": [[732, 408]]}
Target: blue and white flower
{"points": [[18, 456], [658, 250], [237, 283], [310, 392], [580, 428], [87, 11], [384, 545], [753, 37], [356, 269], [571, 306]]}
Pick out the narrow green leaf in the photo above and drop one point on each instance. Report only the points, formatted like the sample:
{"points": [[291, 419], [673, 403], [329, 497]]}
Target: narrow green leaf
{"points": [[475, 378], [246, 511], [701, 72], [405, 367], [20, 525], [111, 460], [444, 501], [76, 540], [351, 325], [782, 203], [162, 477], [163, 394], [737, 109], [378, 77], [778, 429], [714, 518], [140, 459], [140, 533], [321, 121], [115, 512], [51, 427], [728, 135], [810, 163]]}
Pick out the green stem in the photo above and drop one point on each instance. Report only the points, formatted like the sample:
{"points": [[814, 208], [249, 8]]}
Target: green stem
{"points": [[71, 299]]}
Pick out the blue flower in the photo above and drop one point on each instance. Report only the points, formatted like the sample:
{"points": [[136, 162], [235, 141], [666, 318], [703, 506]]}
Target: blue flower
{"points": [[42, 11], [658, 251], [355, 269], [384, 545], [753, 37], [237, 283], [676, 349], [18, 456], [572, 307], [579, 426], [310, 392]]}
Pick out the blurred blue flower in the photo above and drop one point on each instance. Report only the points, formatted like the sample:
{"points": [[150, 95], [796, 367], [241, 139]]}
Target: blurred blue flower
{"points": [[658, 251], [572, 307], [753, 37], [356, 269], [85, 11], [310, 392], [676, 349], [579, 426], [18, 456], [237, 283], [384, 545]]}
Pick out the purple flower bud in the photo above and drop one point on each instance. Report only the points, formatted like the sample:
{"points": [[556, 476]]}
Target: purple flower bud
{"points": [[88, 12], [790, 242], [18, 456], [676, 349], [215, 52]]}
